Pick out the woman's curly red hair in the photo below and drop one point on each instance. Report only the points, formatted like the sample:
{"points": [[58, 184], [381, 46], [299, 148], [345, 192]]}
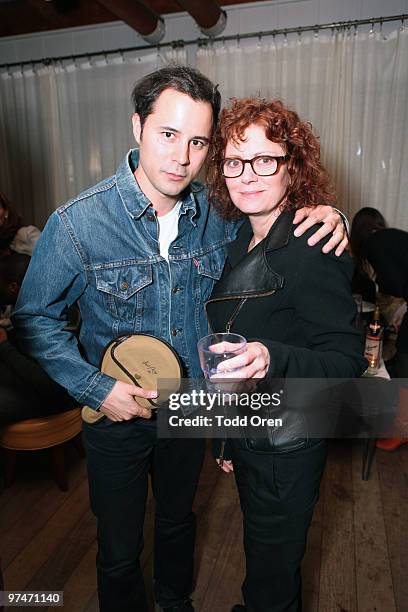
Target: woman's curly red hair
{"points": [[309, 183]]}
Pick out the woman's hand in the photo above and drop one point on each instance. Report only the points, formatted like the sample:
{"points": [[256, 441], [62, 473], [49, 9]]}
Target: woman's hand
{"points": [[226, 466], [332, 223], [253, 363]]}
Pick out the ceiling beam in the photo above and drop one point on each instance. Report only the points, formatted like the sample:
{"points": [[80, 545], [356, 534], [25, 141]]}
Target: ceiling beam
{"points": [[49, 13], [209, 16], [36, 15], [139, 17]]}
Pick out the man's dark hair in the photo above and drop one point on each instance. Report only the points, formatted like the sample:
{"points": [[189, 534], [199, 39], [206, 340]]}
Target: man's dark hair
{"points": [[184, 79], [13, 267]]}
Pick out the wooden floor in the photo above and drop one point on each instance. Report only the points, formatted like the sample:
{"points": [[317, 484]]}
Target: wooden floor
{"points": [[356, 554]]}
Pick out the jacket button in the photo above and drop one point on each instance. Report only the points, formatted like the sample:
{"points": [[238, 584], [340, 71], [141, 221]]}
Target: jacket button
{"points": [[124, 285], [175, 289], [174, 332], [150, 217]]}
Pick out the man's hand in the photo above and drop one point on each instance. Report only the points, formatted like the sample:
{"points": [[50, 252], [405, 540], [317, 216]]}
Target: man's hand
{"points": [[121, 404], [333, 223], [3, 335]]}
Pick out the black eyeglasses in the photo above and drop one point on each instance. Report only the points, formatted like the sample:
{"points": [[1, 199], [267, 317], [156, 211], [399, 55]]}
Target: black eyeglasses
{"points": [[262, 165]]}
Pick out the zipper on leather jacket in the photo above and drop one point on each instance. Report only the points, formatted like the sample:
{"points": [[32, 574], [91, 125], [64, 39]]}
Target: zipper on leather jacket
{"points": [[237, 310], [234, 315], [220, 457], [228, 326]]}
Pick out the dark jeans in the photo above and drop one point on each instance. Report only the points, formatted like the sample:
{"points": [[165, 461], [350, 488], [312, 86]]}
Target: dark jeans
{"points": [[278, 493], [120, 457]]}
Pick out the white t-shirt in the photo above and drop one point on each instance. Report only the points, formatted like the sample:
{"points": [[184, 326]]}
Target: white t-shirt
{"points": [[168, 229]]}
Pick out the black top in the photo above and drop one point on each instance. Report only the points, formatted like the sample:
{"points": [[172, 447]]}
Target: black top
{"points": [[299, 303], [387, 252]]}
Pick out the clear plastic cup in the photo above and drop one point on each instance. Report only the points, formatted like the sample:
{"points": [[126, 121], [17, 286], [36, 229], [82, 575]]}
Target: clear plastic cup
{"points": [[217, 348]]}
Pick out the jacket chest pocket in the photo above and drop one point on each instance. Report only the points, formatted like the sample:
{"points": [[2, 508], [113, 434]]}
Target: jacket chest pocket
{"points": [[124, 289], [209, 270]]}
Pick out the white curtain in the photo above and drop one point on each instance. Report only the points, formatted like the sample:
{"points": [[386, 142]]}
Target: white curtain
{"points": [[353, 87], [65, 126]]}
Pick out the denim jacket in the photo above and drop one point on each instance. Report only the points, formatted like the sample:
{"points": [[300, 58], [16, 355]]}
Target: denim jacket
{"points": [[101, 250]]}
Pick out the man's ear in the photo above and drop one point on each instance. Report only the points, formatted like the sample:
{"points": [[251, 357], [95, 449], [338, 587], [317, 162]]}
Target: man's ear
{"points": [[137, 127]]}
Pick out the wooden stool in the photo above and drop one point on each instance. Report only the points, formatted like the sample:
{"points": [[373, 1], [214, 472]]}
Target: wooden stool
{"points": [[36, 434]]}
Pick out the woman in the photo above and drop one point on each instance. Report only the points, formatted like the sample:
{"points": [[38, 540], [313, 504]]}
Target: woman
{"points": [[13, 235], [297, 302]]}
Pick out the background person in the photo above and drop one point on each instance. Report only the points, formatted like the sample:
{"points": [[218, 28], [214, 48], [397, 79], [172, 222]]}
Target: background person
{"points": [[26, 391], [381, 259], [14, 236], [386, 249]]}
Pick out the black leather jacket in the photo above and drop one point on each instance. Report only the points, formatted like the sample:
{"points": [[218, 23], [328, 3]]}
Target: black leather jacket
{"points": [[294, 299], [297, 301]]}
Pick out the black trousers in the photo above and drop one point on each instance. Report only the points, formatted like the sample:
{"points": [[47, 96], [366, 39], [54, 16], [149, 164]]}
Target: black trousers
{"points": [[278, 493], [120, 457]]}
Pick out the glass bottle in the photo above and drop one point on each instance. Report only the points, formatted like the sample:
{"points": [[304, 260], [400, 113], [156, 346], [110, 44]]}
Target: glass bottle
{"points": [[373, 342]]}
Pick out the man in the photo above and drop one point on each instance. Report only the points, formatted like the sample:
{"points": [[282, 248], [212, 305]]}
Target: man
{"points": [[26, 391], [140, 252]]}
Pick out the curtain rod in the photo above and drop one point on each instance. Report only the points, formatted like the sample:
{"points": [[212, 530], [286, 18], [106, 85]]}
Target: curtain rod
{"points": [[205, 41]]}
